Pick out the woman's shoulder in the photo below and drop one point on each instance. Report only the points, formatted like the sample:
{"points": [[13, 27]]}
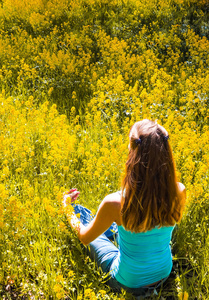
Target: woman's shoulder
{"points": [[114, 204], [181, 187], [114, 197], [182, 191]]}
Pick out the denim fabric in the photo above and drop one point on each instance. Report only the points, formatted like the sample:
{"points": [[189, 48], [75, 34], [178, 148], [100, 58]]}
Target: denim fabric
{"points": [[103, 251], [85, 216]]}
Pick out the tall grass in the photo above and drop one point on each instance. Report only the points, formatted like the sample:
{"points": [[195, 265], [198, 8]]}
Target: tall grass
{"points": [[74, 76]]}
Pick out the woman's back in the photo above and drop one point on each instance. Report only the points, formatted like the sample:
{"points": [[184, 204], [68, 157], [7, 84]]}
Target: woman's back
{"points": [[144, 258]]}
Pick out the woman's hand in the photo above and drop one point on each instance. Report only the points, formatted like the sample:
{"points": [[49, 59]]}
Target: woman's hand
{"points": [[70, 197]]}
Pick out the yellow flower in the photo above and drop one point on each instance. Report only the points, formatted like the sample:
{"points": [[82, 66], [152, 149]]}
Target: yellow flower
{"points": [[62, 226], [5, 172], [50, 91], [19, 170], [57, 288], [59, 295], [183, 296], [3, 192], [71, 274], [66, 168], [102, 292], [59, 278], [88, 292]]}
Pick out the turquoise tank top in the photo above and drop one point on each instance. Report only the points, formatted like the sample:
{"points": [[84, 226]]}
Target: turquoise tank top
{"points": [[143, 258]]}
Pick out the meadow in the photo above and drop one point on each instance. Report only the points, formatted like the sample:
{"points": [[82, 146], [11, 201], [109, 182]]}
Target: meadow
{"points": [[74, 76]]}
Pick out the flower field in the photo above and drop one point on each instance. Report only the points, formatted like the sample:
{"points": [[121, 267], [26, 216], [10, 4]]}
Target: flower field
{"points": [[74, 76]]}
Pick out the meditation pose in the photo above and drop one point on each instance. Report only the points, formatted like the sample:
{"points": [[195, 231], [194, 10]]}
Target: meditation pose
{"points": [[139, 219]]}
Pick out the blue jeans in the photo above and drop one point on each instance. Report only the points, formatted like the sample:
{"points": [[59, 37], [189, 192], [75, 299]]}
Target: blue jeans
{"points": [[103, 251]]}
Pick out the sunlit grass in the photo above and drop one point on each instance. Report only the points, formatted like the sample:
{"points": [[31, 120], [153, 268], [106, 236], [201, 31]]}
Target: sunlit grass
{"points": [[104, 72]]}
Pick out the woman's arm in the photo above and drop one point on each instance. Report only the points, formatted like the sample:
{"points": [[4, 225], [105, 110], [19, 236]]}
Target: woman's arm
{"points": [[107, 213]]}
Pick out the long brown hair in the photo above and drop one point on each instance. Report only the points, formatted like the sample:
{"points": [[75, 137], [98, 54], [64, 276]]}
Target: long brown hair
{"points": [[150, 192]]}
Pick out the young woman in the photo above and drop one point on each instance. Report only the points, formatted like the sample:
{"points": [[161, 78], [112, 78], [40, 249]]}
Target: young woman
{"points": [[141, 217]]}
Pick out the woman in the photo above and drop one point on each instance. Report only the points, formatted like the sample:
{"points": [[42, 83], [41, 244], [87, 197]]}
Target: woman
{"points": [[142, 215]]}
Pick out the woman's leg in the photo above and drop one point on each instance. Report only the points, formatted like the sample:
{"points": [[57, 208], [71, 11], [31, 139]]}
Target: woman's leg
{"points": [[112, 232], [103, 251], [84, 214]]}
